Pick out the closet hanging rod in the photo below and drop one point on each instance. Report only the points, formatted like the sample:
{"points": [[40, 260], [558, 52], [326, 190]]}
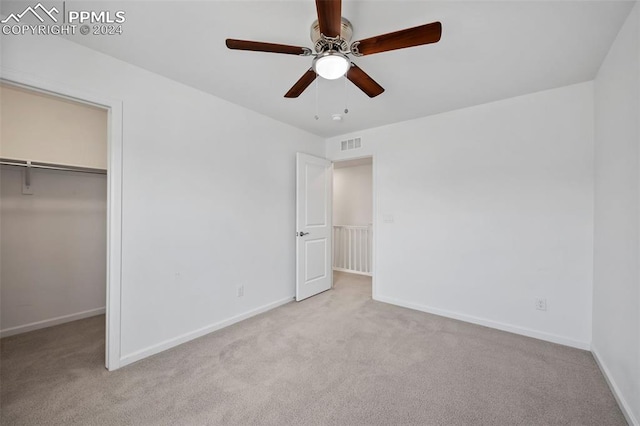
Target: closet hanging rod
{"points": [[51, 166]]}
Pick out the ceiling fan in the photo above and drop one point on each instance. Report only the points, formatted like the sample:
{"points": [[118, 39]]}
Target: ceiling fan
{"points": [[331, 35]]}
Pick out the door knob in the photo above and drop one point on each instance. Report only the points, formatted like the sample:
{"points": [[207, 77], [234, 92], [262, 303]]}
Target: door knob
{"points": [[302, 234]]}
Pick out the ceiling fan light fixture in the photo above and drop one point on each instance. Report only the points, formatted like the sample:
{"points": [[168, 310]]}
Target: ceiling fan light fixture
{"points": [[331, 65]]}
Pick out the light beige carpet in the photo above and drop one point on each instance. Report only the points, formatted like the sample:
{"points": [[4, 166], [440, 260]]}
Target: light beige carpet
{"points": [[338, 358]]}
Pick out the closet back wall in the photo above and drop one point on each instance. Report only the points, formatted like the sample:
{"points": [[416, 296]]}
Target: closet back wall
{"points": [[53, 245], [53, 249]]}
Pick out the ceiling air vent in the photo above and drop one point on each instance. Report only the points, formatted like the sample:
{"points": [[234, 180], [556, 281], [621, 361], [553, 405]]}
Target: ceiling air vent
{"points": [[354, 143]]}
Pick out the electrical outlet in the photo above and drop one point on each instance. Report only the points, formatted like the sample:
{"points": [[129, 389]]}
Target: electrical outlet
{"points": [[240, 290], [541, 304]]}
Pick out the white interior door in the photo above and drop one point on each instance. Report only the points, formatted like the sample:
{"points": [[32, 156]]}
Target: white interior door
{"points": [[314, 272]]}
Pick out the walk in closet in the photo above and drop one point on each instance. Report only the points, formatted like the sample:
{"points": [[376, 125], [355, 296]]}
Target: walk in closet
{"points": [[53, 210]]}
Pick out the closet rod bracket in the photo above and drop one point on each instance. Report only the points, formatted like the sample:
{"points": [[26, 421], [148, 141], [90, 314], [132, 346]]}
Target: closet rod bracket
{"points": [[27, 174], [26, 187]]}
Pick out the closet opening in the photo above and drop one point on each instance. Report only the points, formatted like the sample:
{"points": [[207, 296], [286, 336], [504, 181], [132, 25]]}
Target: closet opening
{"points": [[53, 219], [353, 223]]}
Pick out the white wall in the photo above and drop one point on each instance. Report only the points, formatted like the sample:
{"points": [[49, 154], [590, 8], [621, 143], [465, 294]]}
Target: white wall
{"points": [[53, 248], [51, 129], [208, 196], [492, 207], [616, 292], [352, 195]]}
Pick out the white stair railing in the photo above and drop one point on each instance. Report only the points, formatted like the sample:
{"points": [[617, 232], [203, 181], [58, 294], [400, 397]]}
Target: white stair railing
{"points": [[352, 249]]}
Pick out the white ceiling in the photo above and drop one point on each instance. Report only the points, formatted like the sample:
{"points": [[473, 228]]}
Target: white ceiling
{"points": [[488, 51]]}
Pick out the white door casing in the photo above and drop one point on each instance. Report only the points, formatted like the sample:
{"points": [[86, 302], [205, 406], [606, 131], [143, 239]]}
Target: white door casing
{"points": [[114, 201], [314, 272]]}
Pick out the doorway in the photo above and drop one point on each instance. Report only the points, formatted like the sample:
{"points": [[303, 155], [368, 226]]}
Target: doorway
{"points": [[54, 186], [353, 218]]}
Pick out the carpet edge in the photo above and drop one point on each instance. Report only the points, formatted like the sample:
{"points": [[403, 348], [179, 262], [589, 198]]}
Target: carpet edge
{"points": [[523, 331], [191, 335], [615, 390]]}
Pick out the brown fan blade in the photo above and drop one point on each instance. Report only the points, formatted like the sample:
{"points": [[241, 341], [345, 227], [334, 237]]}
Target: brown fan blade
{"points": [[416, 36], [329, 17], [363, 81], [258, 46], [304, 82]]}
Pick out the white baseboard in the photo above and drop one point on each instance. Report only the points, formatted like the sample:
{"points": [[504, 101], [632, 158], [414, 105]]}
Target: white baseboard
{"points": [[50, 322], [615, 390], [170, 343], [368, 274], [488, 323]]}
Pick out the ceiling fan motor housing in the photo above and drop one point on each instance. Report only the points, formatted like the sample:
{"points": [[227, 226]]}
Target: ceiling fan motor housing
{"points": [[322, 43], [331, 59]]}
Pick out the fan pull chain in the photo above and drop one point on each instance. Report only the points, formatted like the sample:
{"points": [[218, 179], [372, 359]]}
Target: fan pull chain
{"points": [[346, 95], [316, 116]]}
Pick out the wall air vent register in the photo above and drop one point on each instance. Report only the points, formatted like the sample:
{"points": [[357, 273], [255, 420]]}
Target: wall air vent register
{"points": [[348, 144]]}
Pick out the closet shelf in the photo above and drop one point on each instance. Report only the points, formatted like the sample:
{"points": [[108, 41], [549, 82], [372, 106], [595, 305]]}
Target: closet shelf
{"points": [[50, 166]]}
